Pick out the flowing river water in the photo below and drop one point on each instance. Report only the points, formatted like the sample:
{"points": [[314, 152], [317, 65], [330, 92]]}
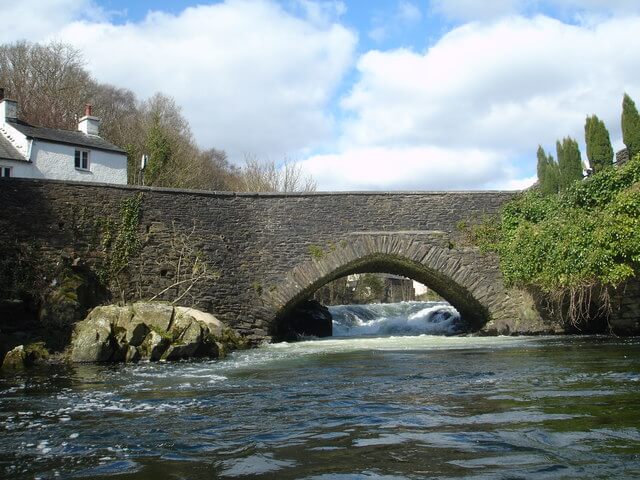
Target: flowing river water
{"points": [[414, 403]]}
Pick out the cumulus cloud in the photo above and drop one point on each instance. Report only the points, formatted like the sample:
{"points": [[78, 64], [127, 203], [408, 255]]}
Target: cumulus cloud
{"points": [[496, 89], [38, 19], [251, 77], [501, 85], [408, 168]]}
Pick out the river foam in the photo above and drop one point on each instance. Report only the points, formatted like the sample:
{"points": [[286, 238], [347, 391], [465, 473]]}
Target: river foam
{"points": [[405, 318]]}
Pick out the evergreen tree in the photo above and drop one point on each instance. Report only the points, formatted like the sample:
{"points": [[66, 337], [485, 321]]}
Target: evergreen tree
{"points": [[548, 173], [551, 177], [569, 163], [542, 166], [159, 148], [630, 126], [599, 150]]}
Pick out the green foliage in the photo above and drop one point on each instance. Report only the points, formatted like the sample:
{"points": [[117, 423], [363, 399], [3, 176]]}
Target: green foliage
{"points": [[548, 173], [316, 252], [630, 126], [160, 151], [120, 243], [585, 237], [257, 286], [370, 288], [599, 149], [569, 163], [35, 353]]}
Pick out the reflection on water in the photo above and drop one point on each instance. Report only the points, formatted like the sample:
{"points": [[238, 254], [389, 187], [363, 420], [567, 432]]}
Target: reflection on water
{"points": [[399, 407]]}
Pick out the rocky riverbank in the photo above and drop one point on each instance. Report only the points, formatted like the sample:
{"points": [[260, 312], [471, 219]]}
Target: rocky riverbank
{"points": [[137, 332]]}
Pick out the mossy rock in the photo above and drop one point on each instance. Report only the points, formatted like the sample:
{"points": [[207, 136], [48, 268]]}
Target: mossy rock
{"points": [[14, 359], [35, 353]]}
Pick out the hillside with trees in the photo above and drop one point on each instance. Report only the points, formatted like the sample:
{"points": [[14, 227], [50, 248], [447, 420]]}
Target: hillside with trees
{"points": [[52, 85]]}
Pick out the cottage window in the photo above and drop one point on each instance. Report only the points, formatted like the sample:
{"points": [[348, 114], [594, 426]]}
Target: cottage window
{"points": [[82, 159], [5, 172]]}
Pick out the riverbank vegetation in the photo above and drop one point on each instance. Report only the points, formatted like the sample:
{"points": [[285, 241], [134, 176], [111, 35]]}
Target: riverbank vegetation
{"points": [[576, 241]]}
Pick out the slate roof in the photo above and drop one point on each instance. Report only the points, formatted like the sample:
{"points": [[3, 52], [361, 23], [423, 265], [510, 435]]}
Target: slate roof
{"points": [[8, 151], [66, 137]]}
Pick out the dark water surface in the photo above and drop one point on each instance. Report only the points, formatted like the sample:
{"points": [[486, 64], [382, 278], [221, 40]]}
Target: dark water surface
{"points": [[404, 407]]}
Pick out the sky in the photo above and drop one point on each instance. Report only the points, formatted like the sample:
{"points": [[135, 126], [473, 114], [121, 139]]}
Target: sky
{"points": [[364, 95]]}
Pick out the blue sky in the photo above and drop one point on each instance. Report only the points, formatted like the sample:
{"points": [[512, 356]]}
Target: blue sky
{"points": [[396, 94]]}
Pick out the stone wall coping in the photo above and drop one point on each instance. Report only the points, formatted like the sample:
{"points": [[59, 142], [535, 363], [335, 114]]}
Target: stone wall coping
{"points": [[400, 232], [211, 193]]}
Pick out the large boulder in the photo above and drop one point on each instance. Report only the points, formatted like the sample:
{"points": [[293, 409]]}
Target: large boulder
{"points": [[150, 331], [14, 359], [92, 338]]}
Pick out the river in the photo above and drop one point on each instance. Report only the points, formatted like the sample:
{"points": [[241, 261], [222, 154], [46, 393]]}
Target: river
{"points": [[415, 403]]}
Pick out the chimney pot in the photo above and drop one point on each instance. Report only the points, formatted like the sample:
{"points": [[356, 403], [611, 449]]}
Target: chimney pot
{"points": [[88, 109]]}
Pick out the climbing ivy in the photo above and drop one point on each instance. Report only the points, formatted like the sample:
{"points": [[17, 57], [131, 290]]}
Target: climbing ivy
{"points": [[575, 243], [120, 243]]}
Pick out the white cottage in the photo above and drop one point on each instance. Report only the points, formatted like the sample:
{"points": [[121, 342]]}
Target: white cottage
{"points": [[37, 152]]}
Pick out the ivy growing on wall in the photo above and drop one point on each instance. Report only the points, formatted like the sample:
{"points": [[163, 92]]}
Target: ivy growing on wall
{"points": [[574, 245], [120, 245]]}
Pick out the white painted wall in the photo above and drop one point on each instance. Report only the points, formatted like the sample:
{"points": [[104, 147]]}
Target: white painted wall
{"points": [[56, 161]]}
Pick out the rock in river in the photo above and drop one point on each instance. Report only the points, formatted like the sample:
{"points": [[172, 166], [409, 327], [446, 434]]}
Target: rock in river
{"points": [[149, 331]]}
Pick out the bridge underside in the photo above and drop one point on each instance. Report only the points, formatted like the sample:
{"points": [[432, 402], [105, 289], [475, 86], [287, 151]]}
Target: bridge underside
{"points": [[467, 279]]}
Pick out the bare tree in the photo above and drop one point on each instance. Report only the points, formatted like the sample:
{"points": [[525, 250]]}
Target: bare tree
{"points": [[49, 82], [267, 176]]}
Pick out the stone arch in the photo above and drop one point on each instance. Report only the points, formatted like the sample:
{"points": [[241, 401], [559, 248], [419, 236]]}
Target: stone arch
{"points": [[467, 279]]}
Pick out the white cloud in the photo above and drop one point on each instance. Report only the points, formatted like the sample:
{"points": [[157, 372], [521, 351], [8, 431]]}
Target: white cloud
{"points": [[411, 168], [497, 89], [321, 12], [251, 78], [36, 20], [406, 14]]}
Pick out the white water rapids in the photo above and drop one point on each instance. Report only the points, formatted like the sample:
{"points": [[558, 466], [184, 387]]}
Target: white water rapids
{"points": [[405, 318]]}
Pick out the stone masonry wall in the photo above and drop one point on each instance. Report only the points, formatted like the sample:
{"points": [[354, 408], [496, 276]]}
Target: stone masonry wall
{"points": [[254, 241]]}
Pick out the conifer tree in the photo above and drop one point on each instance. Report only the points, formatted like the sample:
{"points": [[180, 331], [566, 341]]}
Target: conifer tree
{"points": [[630, 126], [599, 150], [551, 177], [541, 166], [548, 173], [569, 162]]}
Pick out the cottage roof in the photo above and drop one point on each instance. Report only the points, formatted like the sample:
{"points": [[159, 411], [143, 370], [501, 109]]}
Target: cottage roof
{"points": [[8, 151], [66, 137]]}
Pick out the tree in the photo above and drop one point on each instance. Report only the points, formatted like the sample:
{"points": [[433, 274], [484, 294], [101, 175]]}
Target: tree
{"points": [[548, 174], [630, 126], [569, 162], [49, 82], [599, 149], [266, 176], [159, 151]]}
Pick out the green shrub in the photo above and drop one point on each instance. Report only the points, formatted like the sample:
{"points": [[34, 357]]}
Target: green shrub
{"points": [[585, 238]]}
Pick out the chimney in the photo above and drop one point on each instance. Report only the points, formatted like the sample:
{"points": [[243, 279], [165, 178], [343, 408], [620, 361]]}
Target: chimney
{"points": [[89, 124], [8, 108]]}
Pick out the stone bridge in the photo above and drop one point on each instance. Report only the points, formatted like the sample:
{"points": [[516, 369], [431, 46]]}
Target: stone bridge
{"points": [[270, 251]]}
